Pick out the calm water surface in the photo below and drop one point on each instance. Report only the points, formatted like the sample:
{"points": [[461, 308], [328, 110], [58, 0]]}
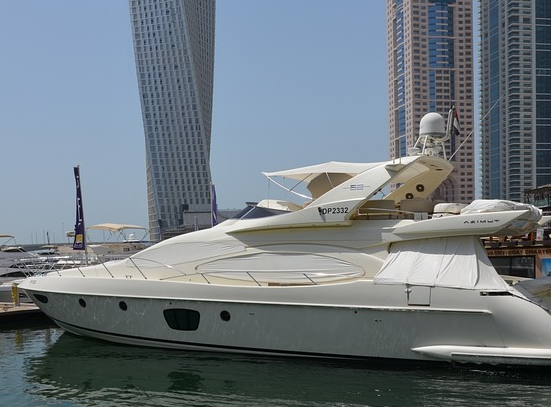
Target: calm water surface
{"points": [[42, 366]]}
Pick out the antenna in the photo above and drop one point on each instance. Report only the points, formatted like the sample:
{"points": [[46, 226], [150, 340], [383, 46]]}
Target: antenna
{"points": [[472, 132], [432, 135]]}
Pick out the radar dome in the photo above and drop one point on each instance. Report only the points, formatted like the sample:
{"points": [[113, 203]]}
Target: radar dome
{"points": [[433, 125]]}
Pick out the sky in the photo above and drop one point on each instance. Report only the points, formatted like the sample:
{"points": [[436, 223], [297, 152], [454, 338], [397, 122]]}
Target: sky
{"points": [[296, 83]]}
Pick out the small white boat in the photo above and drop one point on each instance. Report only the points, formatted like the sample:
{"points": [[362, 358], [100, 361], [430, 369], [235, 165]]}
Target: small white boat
{"points": [[120, 243], [10, 253], [15, 265], [351, 274]]}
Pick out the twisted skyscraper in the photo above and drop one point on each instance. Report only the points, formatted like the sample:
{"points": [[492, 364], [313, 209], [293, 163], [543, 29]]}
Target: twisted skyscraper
{"points": [[174, 51]]}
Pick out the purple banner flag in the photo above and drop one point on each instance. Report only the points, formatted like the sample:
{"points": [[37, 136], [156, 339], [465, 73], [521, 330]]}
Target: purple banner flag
{"points": [[80, 239], [213, 206]]}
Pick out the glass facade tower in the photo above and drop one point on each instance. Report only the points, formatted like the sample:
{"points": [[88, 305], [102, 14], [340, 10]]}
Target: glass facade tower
{"points": [[515, 96], [174, 52], [430, 69]]}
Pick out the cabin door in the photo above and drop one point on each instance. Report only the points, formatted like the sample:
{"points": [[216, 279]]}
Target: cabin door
{"points": [[418, 294]]}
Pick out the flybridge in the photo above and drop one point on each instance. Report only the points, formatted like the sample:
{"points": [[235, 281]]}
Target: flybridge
{"points": [[344, 192], [321, 180]]}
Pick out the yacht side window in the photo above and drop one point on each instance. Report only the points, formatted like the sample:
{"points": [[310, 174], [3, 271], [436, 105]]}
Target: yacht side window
{"points": [[255, 212]]}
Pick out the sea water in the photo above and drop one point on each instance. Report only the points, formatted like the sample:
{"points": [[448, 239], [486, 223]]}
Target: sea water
{"points": [[40, 365]]}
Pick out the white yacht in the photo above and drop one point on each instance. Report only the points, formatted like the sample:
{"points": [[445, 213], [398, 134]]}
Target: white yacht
{"points": [[353, 273], [10, 253], [15, 264]]}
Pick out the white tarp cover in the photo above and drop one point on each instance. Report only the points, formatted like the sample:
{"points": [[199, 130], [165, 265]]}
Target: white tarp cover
{"points": [[499, 205], [283, 267], [174, 254], [457, 262]]}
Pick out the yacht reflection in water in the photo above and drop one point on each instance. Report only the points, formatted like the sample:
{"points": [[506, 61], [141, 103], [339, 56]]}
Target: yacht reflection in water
{"points": [[90, 372]]}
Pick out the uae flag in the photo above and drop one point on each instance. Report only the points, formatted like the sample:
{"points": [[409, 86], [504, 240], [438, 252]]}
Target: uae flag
{"points": [[455, 127]]}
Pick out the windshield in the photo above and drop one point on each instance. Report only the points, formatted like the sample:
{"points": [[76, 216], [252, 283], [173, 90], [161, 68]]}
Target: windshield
{"points": [[253, 212]]}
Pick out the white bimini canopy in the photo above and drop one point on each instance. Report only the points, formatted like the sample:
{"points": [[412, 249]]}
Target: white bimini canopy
{"points": [[306, 174], [115, 227], [320, 178]]}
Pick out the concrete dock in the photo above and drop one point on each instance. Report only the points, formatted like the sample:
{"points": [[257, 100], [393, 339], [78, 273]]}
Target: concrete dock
{"points": [[11, 312]]}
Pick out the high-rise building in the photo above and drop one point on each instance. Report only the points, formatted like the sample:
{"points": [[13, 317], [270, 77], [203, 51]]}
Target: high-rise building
{"points": [[515, 96], [430, 69], [174, 51]]}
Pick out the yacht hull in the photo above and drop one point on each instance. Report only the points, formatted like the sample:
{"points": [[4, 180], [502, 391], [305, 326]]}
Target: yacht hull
{"points": [[354, 320]]}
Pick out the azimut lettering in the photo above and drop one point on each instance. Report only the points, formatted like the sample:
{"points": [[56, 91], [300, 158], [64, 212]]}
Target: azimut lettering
{"points": [[474, 222]]}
